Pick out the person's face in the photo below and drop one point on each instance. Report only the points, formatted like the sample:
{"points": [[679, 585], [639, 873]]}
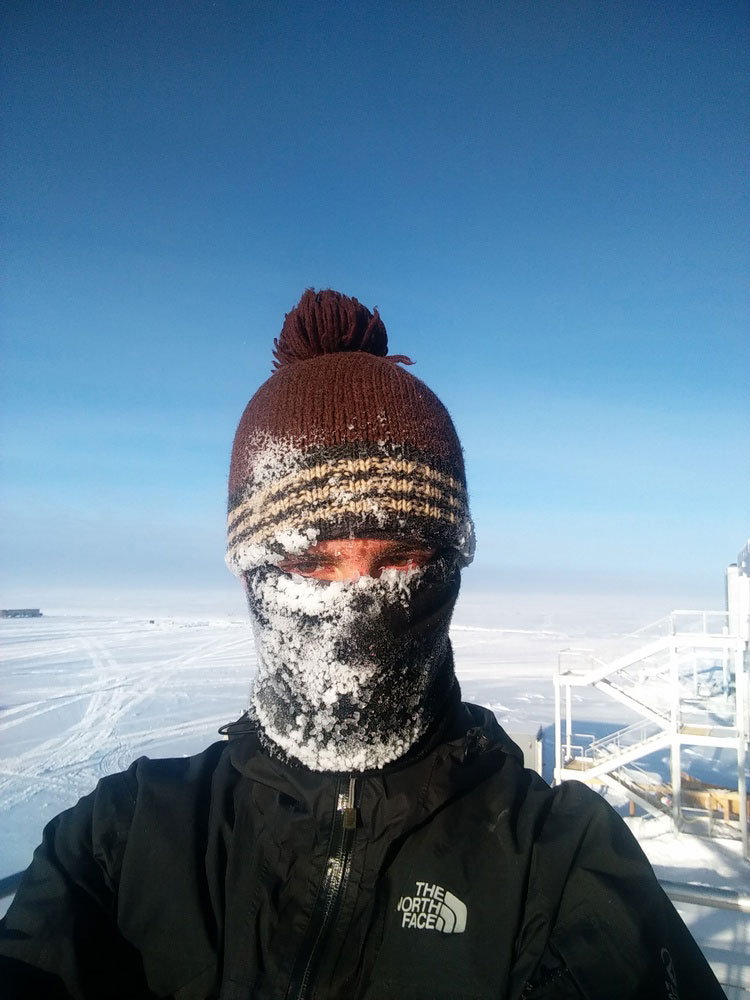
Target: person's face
{"points": [[351, 558]]}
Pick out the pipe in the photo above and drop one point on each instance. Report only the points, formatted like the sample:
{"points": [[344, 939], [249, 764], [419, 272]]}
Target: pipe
{"points": [[703, 895]]}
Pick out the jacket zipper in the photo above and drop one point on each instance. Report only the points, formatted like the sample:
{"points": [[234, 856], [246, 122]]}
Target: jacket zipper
{"points": [[332, 889]]}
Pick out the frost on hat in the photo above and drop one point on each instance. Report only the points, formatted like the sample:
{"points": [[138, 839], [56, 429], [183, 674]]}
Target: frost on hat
{"points": [[342, 442]]}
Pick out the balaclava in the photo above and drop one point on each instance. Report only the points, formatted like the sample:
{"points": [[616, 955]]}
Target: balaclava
{"points": [[342, 442]]}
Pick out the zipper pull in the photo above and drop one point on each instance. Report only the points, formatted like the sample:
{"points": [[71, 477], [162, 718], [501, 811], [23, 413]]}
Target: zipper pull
{"points": [[347, 807]]}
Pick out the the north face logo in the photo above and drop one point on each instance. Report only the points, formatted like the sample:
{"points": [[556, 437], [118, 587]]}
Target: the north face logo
{"points": [[432, 908]]}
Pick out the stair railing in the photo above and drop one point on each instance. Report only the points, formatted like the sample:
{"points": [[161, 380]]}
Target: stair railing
{"points": [[623, 739]]}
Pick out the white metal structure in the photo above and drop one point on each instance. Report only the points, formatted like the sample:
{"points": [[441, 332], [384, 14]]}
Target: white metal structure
{"points": [[687, 680]]}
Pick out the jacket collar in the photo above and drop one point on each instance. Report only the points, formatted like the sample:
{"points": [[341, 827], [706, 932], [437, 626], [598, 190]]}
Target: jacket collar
{"points": [[464, 749]]}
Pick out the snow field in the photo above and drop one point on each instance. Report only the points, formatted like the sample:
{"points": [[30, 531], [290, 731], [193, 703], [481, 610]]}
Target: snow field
{"points": [[83, 696]]}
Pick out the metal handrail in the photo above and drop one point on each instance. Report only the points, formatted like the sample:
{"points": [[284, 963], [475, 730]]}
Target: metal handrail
{"points": [[669, 624], [585, 658], [617, 739], [703, 895], [641, 772]]}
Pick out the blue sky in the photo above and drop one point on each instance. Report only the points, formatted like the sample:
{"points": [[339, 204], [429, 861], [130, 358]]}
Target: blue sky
{"points": [[547, 201]]}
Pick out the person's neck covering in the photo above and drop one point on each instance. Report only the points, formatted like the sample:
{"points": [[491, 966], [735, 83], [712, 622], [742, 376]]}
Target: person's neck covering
{"points": [[351, 675]]}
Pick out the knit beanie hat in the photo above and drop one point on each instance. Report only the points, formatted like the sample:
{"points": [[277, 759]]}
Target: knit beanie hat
{"points": [[342, 442]]}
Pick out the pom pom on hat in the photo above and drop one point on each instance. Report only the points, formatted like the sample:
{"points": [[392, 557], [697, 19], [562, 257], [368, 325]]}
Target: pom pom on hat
{"points": [[328, 322]]}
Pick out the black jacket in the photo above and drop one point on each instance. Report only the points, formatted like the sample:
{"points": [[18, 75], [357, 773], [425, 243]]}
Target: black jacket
{"points": [[455, 876]]}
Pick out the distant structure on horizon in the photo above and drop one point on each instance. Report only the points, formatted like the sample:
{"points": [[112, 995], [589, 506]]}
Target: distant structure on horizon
{"points": [[20, 613], [738, 593]]}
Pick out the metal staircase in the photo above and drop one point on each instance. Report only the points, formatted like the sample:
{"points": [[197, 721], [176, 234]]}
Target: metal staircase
{"points": [[612, 752], [639, 786], [686, 679]]}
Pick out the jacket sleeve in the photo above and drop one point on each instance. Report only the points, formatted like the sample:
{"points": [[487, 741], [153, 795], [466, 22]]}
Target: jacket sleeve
{"points": [[59, 938], [611, 930]]}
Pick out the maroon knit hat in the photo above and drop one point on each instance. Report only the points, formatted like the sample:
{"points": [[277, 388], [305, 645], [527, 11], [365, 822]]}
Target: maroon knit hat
{"points": [[342, 442]]}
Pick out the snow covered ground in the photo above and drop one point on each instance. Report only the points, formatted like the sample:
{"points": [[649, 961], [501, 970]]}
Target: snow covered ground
{"points": [[97, 682]]}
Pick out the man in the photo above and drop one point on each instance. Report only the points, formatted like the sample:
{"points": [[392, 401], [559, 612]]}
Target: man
{"points": [[362, 834]]}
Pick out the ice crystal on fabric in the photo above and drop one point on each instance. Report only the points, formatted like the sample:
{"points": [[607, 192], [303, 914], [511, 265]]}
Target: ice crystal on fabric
{"points": [[351, 674]]}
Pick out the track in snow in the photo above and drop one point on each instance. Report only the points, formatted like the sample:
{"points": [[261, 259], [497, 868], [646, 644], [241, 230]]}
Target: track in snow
{"points": [[84, 697]]}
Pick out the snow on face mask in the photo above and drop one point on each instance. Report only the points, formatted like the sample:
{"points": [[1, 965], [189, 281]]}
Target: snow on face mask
{"points": [[351, 674]]}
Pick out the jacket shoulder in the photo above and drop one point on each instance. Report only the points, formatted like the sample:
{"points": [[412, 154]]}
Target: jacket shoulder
{"points": [[608, 926], [84, 893], [177, 773]]}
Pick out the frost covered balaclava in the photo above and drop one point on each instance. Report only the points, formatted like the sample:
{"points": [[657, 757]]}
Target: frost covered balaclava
{"points": [[341, 442]]}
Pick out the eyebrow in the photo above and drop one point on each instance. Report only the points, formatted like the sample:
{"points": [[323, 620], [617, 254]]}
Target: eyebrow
{"points": [[314, 556], [415, 546]]}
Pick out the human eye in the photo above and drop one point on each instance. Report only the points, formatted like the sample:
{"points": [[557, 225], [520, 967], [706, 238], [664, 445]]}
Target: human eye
{"points": [[304, 565], [407, 558]]}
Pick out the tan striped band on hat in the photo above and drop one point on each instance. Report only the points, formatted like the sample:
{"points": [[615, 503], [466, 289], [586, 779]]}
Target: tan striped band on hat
{"points": [[346, 477], [379, 489]]}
